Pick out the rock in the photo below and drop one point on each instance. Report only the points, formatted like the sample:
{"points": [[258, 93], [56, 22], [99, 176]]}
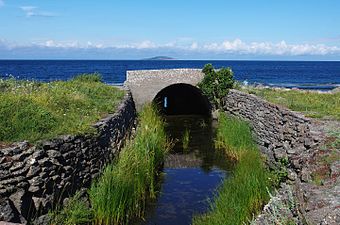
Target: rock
{"points": [[291, 151], [296, 164], [34, 189], [308, 142], [9, 223], [39, 154], [280, 153], [335, 170], [8, 211], [305, 175], [38, 202], [332, 218], [215, 114], [42, 220], [45, 162], [291, 175], [54, 154], [33, 171], [49, 145], [36, 181]]}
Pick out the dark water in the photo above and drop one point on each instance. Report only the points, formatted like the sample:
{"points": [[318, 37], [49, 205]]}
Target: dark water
{"points": [[191, 175], [311, 75]]}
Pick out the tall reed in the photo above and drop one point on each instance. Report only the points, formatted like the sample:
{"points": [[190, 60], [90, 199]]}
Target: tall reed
{"points": [[120, 194], [242, 195]]}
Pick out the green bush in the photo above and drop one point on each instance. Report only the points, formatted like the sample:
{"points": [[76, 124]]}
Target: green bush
{"points": [[216, 83]]}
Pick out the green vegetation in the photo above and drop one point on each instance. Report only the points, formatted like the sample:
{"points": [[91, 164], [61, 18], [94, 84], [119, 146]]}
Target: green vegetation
{"points": [[74, 212], [312, 104], [216, 83], [121, 192], [186, 139], [244, 194], [330, 154], [281, 208], [34, 111]]}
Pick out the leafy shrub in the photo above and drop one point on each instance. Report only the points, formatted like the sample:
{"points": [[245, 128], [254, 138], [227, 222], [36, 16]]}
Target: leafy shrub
{"points": [[216, 83]]}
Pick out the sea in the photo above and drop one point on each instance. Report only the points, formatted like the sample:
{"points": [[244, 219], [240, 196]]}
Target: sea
{"points": [[314, 75]]}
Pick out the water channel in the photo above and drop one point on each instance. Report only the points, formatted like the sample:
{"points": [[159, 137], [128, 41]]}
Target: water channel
{"points": [[192, 172]]}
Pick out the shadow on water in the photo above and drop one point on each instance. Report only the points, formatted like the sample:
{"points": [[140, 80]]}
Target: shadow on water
{"points": [[191, 173]]}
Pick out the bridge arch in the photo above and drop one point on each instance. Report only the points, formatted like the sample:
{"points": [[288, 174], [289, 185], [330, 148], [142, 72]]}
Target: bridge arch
{"points": [[146, 84], [182, 99]]}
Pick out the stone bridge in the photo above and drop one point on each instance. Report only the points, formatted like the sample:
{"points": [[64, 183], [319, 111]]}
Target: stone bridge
{"points": [[174, 89], [280, 132]]}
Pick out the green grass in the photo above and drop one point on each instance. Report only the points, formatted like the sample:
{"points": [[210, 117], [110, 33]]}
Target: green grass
{"points": [[186, 139], [34, 111], [74, 212], [121, 192], [244, 194], [312, 104]]}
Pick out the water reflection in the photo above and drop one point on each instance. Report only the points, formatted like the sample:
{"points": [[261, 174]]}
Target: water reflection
{"points": [[191, 175]]}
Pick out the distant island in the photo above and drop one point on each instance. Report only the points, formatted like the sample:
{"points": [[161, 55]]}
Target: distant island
{"points": [[160, 58]]}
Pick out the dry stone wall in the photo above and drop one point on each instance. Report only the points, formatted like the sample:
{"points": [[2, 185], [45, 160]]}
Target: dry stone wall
{"points": [[280, 133], [33, 179]]}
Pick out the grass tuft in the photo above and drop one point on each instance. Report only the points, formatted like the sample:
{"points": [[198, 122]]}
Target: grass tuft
{"points": [[186, 139], [121, 193], [244, 194], [75, 211]]}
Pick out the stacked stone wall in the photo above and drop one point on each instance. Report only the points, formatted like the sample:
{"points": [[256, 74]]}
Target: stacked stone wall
{"points": [[34, 179], [280, 133]]}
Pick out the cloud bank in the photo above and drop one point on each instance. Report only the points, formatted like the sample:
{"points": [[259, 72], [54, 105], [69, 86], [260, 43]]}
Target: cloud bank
{"points": [[236, 46], [228, 48]]}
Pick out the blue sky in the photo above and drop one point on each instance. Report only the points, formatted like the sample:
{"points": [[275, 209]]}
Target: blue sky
{"points": [[184, 29]]}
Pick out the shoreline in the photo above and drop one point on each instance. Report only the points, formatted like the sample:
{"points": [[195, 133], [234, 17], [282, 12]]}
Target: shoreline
{"points": [[335, 89]]}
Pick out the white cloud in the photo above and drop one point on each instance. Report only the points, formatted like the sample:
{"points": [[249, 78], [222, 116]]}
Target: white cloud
{"points": [[225, 48], [268, 48], [194, 46], [33, 11], [68, 44]]}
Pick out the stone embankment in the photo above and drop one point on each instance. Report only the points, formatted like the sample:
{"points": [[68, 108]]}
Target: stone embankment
{"points": [[280, 133], [293, 143], [34, 179]]}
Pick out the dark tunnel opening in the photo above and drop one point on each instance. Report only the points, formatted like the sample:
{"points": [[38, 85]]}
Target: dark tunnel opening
{"points": [[182, 99]]}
